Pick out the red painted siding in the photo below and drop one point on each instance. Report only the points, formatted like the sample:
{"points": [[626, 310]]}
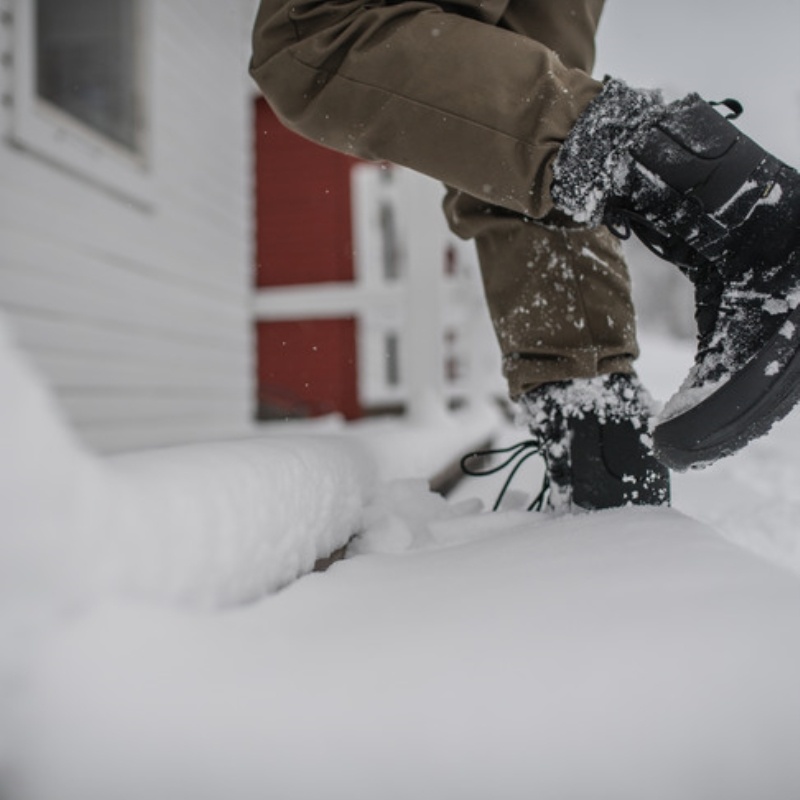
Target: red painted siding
{"points": [[307, 368], [303, 206], [304, 235]]}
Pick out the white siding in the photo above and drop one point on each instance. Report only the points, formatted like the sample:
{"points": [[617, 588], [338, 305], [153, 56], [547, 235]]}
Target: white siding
{"points": [[141, 317]]}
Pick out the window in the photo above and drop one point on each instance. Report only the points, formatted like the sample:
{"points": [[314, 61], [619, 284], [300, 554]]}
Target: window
{"points": [[81, 96], [86, 64], [390, 246], [391, 343]]}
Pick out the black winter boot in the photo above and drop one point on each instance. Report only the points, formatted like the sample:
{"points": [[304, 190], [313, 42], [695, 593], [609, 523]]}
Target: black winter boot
{"points": [[596, 443], [701, 194], [594, 437]]}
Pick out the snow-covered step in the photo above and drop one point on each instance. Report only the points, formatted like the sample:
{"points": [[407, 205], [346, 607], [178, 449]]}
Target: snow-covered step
{"points": [[625, 655]]}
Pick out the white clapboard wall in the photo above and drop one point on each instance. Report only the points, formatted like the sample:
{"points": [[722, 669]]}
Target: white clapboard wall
{"points": [[137, 305]]}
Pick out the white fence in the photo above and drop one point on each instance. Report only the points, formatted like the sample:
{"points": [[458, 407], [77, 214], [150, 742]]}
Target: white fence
{"points": [[424, 335]]}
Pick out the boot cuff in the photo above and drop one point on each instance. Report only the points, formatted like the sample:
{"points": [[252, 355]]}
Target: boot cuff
{"points": [[594, 162], [610, 398]]}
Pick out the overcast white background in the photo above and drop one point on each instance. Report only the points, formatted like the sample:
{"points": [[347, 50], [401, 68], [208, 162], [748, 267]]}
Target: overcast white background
{"points": [[719, 48]]}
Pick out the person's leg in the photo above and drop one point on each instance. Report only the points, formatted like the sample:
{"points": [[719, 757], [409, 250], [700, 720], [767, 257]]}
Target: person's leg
{"points": [[449, 93], [560, 300], [481, 97], [482, 103], [558, 294]]}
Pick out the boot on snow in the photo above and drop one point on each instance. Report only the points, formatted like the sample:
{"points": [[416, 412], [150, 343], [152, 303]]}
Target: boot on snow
{"points": [[704, 196], [594, 437]]}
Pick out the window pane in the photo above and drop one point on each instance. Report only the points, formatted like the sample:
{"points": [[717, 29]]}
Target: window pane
{"points": [[389, 243], [86, 63], [391, 343]]}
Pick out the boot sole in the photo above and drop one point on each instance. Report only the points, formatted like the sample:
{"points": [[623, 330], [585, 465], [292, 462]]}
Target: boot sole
{"points": [[760, 394]]}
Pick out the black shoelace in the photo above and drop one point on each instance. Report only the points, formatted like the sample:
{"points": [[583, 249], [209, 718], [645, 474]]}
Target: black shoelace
{"points": [[518, 454]]}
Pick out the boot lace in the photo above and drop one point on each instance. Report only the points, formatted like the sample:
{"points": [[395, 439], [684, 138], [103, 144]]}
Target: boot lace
{"points": [[516, 455]]}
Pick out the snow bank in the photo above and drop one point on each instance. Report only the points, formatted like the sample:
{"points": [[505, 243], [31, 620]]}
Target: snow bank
{"points": [[206, 525], [623, 655], [196, 526], [630, 654], [231, 522]]}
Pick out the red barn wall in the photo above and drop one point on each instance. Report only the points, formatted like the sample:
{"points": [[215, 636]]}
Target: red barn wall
{"points": [[307, 367], [304, 236], [304, 230]]}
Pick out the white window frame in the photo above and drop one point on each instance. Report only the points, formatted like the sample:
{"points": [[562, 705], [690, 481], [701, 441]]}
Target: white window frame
{"points": [[373, 188], [54, 135]]}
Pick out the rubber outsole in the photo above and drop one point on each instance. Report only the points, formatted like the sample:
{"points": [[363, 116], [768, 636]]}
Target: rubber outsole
{"points": [[760, 394]]}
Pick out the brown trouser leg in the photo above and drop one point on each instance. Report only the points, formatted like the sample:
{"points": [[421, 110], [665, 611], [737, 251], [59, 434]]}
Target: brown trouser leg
{"points": [[559, 295], [473, 93]]}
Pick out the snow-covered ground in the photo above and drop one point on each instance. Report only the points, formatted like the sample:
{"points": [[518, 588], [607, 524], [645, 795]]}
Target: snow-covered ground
{"points": [[632, 655], [457, 653]]}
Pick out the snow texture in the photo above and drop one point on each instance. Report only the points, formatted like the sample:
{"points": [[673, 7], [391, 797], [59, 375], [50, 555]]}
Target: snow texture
{"points": [[602, 396], [201, 525], [627, 654], [458, 654], [196, 526], [595, 160]]}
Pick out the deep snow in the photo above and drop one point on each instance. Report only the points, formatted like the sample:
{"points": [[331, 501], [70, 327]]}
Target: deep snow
{"points": [[624, 655], [457, 654]]}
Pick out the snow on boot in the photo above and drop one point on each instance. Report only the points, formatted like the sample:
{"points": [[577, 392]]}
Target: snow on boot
{"points": [[594, 437], [703, 195], [596, 443]]}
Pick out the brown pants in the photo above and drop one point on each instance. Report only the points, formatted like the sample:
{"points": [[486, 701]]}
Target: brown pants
{"points": [[479, 94]]}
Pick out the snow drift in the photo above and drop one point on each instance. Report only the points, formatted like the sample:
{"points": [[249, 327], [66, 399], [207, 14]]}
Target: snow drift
{"points": [[631, 655], [201, 525]]}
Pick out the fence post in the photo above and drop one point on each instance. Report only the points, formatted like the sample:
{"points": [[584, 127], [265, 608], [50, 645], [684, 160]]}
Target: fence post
{"points": [[424, 233]]}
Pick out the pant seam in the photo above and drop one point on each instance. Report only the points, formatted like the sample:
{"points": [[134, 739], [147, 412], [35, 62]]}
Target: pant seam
{"points": [[397, 95]]}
